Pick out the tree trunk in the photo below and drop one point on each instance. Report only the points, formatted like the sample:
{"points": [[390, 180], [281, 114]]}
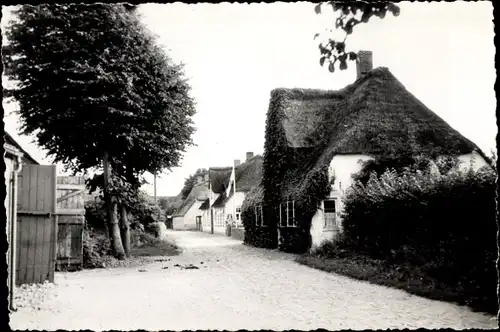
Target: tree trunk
{"points": [[125, 230], [111, 209], [116, 240]]}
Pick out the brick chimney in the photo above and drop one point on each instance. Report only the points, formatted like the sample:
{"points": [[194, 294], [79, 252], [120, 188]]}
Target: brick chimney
{"points": [[249, 155], [364, 63], [237, 162]]}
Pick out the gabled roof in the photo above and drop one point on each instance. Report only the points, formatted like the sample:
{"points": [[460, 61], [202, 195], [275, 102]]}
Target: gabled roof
{"points": [[219, 178], [26, 156], [220, 201], [198, 193], [374, 116], [205, 205], [248, 175]]}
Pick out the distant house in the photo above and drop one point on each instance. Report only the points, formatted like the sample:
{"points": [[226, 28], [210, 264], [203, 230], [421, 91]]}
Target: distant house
{"points": [[206, 225], [189, 216], [219, 178], [244, 177], [309, 131]]}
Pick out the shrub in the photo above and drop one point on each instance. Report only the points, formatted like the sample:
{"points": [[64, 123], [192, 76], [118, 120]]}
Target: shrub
{"points": [[95, 248], [442, 220], [146, 212], [95, 214], [142, 212]]}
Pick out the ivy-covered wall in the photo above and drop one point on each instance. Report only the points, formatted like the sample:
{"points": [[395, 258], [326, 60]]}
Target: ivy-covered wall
{"points": [[289, 174], [257, 236]]}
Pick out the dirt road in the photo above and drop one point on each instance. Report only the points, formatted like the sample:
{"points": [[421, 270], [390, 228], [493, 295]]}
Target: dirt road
{"points": [[234, 287]]}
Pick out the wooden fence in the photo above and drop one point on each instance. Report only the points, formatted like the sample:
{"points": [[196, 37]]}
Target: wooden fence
{"points": [[70, 220]]}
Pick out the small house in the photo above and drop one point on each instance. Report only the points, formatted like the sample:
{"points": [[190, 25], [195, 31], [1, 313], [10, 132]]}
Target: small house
{"points": [[244, 177], [316, 137], [219, 178], [189, 216]]}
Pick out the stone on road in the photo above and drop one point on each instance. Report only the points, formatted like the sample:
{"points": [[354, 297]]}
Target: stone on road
{"points": [[236, 287]]}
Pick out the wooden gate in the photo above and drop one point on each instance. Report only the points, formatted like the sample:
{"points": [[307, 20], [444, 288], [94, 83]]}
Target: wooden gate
{"points": [[36, 224], [70, 220]]}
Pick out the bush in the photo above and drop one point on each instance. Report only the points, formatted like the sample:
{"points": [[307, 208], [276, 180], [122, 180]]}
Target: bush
{"points": [[95, 214], [146, 212], [443, 221], [96, 246], [143, 212]]}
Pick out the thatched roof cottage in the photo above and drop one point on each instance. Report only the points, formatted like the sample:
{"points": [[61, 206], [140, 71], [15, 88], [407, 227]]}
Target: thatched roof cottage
{"points": [[213, 220], [312, 130], [188, 216], [244, 178]]}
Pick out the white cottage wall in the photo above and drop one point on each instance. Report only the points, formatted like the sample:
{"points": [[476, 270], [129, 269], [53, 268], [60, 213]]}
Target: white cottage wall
{"points": [[219, 220], [178, 223], [236, 200], [342, 167], [205, 221], [191, 214]]}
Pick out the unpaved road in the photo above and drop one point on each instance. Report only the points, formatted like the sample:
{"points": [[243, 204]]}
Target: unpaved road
{"points": [[236, 287]]}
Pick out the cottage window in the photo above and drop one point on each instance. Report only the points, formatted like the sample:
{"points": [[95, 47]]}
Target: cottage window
{"points": [[259, 216], [330, 213], [287, 214], [219, 218], [238, 216]]}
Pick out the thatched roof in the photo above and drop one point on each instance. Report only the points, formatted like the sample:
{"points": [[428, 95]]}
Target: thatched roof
{"points": [[253, 198], [219, 178], [220, 201], [248, 175], [198, 193], [26, 156], [374, 116], [205, 205]]}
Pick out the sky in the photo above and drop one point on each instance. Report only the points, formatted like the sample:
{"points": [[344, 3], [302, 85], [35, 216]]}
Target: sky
{"points": [[235, 54]]}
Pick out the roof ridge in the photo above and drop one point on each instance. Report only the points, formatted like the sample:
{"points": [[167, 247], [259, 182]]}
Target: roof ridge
{"points": [[374, 72]]}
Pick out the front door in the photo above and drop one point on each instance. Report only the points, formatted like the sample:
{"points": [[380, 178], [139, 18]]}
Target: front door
{"points": [[198, 223]]}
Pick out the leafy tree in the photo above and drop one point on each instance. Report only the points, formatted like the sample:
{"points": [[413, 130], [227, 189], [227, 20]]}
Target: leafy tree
{"points": [[191, 181], [350, 14], [99, 93], [170, 204]]}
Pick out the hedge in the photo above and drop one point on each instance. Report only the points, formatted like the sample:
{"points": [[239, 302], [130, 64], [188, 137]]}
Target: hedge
{"points": [[443, 220]]}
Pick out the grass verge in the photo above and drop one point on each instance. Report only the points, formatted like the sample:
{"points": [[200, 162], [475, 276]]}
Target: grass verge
{"points": [[146, 245], [410, 278]]}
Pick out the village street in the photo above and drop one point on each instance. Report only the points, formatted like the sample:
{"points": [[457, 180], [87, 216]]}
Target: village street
{"points": [[236, 287]]}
